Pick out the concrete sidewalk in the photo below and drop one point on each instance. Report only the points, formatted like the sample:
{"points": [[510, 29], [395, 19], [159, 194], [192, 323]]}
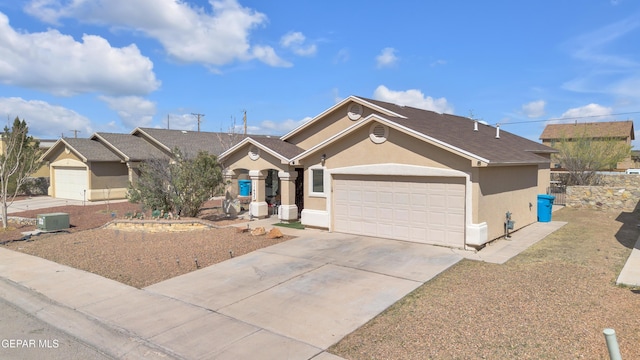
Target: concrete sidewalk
{"points": [[288, 301], [630, 274]]}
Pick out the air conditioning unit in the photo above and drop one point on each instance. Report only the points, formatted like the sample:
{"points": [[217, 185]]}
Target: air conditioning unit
{"points": [[53, 221]]}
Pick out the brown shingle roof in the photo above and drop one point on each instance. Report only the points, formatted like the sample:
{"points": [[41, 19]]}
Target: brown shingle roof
{"points": [[458, 131], [612, 129], [91, 150], [287, 150], [133, 148], [193, 141]]}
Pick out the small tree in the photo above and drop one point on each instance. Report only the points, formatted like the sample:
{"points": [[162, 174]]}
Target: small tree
{"points": [[584, 156], [20, 158], [180, 185]]}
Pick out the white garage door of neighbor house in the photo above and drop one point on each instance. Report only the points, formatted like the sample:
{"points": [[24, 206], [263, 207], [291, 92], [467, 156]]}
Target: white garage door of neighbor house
{"points": [[71, 183], [426, 210]]}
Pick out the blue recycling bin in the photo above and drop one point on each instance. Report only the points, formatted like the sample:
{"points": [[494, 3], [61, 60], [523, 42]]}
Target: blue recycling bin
{"points": [[244, 187], [545, 207]]}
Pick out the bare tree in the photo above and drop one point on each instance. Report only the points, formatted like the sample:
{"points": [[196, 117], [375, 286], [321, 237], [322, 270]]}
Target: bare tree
{"points": [[19, 159], [583, 156]]}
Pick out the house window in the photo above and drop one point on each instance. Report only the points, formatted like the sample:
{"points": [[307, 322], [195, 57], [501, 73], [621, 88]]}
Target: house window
{"points": [[317, 182]]}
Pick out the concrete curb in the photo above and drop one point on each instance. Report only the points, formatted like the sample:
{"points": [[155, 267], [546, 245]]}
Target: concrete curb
{"points": [[113, 342]]}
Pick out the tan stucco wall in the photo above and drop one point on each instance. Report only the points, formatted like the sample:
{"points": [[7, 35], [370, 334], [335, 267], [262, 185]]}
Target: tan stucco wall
{"points": [[240, 160], [328, 126], [399, 148], [358, 149], [544, 178], [507, 188], [108, 175]]}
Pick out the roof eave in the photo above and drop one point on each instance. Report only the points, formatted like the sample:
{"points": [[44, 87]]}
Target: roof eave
{"points": [[341, 103]]}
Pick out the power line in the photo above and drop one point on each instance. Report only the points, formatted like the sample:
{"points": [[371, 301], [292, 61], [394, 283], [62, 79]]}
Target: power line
{"points": [[568, 118]]}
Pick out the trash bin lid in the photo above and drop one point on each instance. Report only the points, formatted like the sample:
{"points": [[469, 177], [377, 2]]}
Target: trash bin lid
{"points": [[547, 197]]}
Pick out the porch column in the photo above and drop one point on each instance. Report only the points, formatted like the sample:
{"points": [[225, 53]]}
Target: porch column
{"points": [[288, 210], [231, 183], [258, 207]]}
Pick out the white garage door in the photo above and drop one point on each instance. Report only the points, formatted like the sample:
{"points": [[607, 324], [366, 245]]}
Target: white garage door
{"points": [[70, 183], [427, 210]]}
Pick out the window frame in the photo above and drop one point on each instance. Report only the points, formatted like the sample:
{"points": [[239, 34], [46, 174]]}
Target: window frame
{"points": [[312, 170]]}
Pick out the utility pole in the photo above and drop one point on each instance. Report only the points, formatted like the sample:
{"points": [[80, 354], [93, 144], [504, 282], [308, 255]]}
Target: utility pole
{"points": [[198, 116], [167, 121], [75, 133], [244, 121]]}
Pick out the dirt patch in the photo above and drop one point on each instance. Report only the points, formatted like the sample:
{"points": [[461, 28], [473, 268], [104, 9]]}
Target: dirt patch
{"points": [[135, 258], [140, 259], [550, 302]]}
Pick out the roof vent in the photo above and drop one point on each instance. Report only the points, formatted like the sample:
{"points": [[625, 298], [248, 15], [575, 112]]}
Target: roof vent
{"points": [[498, 131], [355, 111], [475, 125], [254, 153], [184, 131], [378, 133]]}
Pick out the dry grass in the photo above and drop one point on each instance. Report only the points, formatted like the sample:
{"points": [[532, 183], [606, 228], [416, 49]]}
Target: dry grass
{"points": [[550, 302]]}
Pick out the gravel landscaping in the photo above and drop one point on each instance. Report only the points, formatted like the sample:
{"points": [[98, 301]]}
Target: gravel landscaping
{"points": [[550, 302], [135, 258]]}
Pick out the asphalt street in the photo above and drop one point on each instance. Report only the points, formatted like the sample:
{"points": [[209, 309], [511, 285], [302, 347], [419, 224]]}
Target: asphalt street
{"points": [[24, 337]]}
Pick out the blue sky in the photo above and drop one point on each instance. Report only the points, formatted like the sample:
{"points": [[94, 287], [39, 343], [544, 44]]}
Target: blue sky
{"points": [[113, 65]]}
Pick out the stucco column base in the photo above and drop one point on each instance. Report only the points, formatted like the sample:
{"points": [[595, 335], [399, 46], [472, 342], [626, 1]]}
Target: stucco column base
{"points": [[288, 213], [259, 209]]}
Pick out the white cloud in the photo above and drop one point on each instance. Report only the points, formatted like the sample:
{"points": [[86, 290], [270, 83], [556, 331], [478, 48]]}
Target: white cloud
{"points": [[187, 33], [591, 112], [438, 62], [45, 120], [534, 109], [269, 127], [267, 55], [414, 98], [296, 42], [605, 70], [184, 122], [587, 110], [134, 111], [387, 58], [56, 63], [342, 56]]}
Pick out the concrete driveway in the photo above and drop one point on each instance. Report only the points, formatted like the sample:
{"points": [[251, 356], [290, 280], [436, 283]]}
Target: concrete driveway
{"points": [[40, 202], [310, 291]]}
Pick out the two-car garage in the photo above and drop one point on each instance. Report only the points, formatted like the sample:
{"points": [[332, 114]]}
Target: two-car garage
{"points": [[425, 209]]}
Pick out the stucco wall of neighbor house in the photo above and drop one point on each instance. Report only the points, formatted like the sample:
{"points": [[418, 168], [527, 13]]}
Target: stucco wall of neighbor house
{"points": [[331, 124], [107, 180], [618, 192], [505, 189]]}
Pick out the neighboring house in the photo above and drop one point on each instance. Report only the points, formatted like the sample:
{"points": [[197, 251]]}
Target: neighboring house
{"points": [[373, 168], [621, 131], [45, 144], [103, 166]]}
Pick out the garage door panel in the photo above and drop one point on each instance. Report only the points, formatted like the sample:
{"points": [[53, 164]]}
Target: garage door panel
{"points": [[70, 183], [422, 211]]}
